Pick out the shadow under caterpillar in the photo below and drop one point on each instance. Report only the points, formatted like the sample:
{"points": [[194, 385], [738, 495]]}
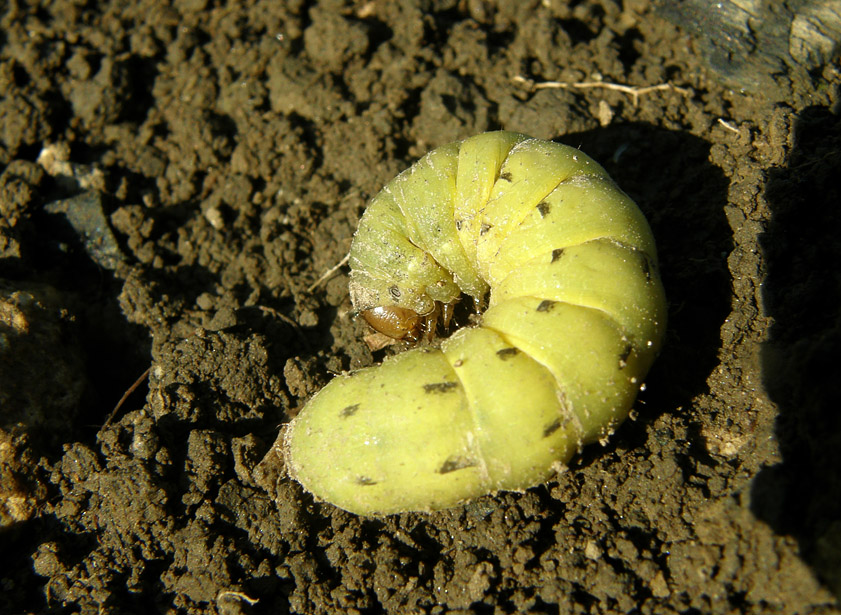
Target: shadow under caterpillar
{"points": [[575, 318]]}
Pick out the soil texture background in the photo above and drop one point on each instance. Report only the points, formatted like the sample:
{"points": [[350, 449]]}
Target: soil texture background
{"points": [[176, 178]]}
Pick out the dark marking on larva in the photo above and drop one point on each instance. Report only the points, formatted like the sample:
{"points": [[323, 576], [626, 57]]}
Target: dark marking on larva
{"points": [[459, 223], [456, 462], [544, 208], [485, 228], [646, 267], [546, 305], [365, 481], [439, 387], [506, 176], [506, 353], [394, 292], [552, 428], [349, 411], [556, 254], [623, 357]]}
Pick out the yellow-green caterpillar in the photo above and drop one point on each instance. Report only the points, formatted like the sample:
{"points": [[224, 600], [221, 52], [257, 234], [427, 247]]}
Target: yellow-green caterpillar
{"points": [[576, 316]]}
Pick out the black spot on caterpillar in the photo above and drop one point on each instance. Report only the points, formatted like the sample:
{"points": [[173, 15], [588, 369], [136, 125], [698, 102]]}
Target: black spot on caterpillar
{"points": [[575, 317], [506, 353], [623, 357], [439, 387], [551, 428], [349, 410], [646, 267], [456, 462]]}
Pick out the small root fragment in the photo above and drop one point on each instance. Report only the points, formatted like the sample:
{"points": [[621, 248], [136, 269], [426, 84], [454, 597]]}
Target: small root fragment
{"points": [[633, 91], [327, 274]]}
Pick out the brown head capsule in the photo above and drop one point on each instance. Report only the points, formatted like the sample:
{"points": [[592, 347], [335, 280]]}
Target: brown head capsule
{"points": [[396, 322]]}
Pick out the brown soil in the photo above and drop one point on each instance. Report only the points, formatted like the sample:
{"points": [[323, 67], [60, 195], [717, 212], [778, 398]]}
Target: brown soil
{"points": [[219, 159]]}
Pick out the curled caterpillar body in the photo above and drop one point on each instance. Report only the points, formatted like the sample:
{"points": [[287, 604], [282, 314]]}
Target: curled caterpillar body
{"points": [[576, 316]]}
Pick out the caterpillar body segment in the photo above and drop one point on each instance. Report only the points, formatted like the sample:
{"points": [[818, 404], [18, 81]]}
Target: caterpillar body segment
{"points": [[576, 316]]}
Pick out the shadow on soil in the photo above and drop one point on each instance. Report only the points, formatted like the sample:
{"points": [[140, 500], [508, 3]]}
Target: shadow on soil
{"points": [[800, 496]]}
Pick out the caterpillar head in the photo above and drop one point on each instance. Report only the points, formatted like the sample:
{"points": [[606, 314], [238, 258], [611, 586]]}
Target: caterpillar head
{"points": [[396, 322], [401, 310], [407, 325]]}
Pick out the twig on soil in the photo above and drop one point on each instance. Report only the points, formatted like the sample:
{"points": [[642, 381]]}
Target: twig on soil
{"points": [[236, 595], [633, 91], [128, 392], [728, 125], [326, 275]]}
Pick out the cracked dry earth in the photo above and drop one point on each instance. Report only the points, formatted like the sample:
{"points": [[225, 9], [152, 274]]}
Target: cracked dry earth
{"points": [[174, 181]]}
